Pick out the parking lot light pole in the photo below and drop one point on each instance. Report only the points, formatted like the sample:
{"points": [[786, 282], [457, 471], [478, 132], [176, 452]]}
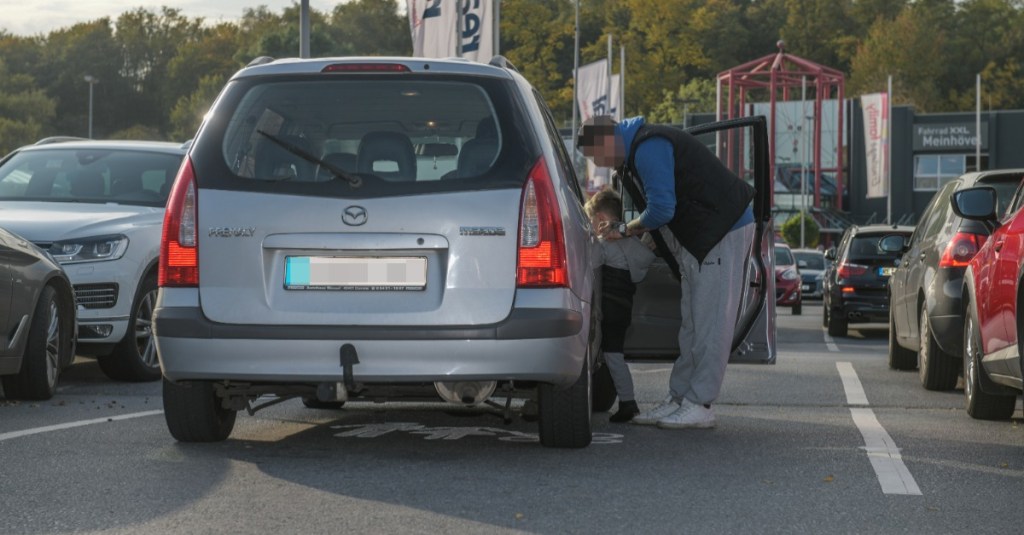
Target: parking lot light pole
{"points": [[92, 80]]}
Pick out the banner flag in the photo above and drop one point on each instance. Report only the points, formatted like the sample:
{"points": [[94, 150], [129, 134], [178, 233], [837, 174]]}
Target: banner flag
{"points": [[433, 26], [616, 99], [592, 91], [876, 143]]}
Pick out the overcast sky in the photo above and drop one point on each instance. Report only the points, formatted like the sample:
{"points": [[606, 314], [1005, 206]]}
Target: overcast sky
{"points": [[34, 17]]}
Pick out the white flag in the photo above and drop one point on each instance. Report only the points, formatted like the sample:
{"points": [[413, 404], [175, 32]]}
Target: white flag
{"points": [[478, 30], [616, 100], [592, 91], [876, 143], [433, 26]]}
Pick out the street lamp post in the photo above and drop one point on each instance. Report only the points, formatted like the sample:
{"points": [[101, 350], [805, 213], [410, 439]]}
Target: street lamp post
{"points": [[92, 80]]}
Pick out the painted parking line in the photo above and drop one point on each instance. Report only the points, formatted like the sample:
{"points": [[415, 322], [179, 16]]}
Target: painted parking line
{"points": [[892, 473], [70, 425]]}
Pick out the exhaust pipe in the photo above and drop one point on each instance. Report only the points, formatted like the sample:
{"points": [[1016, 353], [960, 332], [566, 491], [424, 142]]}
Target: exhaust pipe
{"points": [[465, 392]]}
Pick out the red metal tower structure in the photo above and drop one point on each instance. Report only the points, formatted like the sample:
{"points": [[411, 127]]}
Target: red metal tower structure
{"points": [[773, 78]]}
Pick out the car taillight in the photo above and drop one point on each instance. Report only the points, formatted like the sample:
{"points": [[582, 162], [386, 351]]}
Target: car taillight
{"points": [[846, 271], [179, 241], [542, 262], [961, 249]]}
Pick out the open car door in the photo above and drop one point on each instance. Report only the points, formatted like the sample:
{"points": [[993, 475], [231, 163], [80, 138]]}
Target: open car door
{"points": [[742, 145]]}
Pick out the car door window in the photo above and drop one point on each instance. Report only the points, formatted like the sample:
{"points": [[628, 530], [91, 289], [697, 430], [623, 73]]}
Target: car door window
{"points": [[561, 154]]}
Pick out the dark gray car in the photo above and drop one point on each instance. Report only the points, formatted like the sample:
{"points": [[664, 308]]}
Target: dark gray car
{"points": [[927, 322], [37, 318]]}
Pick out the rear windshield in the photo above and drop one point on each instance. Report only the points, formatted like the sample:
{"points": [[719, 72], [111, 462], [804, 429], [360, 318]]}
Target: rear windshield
{"points": [[398, 135], [89, 175], [812, 260], [865, 247]]}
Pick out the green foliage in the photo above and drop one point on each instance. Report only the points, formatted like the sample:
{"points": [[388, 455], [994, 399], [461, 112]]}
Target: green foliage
{"points": [[791, 231], [160, 68]]}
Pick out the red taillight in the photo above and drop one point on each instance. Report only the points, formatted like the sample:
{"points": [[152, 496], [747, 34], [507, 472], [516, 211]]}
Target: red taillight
{"points": [[846, 271], [366, 67], [542, 261], [961, 250], [179, 241]]}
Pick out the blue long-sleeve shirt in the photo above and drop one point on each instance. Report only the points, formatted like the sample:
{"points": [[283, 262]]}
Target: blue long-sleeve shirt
{"points": [[655, 163]]}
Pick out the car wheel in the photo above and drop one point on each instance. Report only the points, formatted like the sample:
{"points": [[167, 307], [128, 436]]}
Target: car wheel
{"points": [[194, 412], [46, 352], [604, 389], [134, 358], [836, 326], [797, 309], [312, 403], [980, 405], [900, 358], [938, 370], [564, 414]]}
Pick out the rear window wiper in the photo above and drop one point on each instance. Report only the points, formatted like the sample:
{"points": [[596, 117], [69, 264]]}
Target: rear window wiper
{"points": [[353, 180]]}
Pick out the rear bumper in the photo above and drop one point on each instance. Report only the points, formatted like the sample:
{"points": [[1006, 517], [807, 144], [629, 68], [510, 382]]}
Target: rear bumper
{"points": [[861, 309], [546, 345]]}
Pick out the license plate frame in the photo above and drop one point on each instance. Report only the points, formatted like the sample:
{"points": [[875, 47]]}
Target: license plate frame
{"points": [[355, 273], [885, 271]]}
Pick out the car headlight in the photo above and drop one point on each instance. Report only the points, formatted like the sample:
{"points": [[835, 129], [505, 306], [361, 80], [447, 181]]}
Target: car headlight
{"points": [[95, 249], [790, 274]]}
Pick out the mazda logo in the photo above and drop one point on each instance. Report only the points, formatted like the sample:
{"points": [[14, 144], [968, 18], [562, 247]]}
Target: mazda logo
{"points": [[354, 216]]}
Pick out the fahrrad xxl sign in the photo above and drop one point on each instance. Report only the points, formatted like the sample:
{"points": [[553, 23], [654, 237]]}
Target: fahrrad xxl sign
{"points": [[949, 136]]}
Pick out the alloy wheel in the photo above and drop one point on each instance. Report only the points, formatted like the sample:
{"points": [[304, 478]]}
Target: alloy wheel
{"points": [[144, 329]]}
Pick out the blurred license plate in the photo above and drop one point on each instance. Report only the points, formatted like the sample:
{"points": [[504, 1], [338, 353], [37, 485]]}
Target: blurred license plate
{"points": [[379, 274], [885, 271]]}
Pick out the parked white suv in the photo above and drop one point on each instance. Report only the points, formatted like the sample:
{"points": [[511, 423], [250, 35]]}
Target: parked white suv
{"points": [[379, 228], [97, 208]]}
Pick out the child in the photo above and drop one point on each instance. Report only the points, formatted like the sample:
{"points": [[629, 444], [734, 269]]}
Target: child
{"points": [[625, 262]]}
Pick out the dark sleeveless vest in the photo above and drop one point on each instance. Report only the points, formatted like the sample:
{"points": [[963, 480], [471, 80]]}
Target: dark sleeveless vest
{"points": [[710, 198]]}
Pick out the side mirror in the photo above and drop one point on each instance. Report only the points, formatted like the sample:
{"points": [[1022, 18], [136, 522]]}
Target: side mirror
{"points": [[830, 254], [978, 204], [893, 243]]}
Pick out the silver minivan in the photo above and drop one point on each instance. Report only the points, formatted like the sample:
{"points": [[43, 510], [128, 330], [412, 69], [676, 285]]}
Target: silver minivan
{"points": [[377, 228]]}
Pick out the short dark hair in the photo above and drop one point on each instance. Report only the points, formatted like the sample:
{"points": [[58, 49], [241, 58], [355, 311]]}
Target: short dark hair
{"points": [[605, 200], [594, 127]]}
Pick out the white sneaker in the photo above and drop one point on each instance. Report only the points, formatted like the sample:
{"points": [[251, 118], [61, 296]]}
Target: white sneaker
{"points": [[652, 416], [689, 416]]}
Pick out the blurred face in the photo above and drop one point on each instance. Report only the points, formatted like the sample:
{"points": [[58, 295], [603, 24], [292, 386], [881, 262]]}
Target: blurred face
{"points": [[607, 151]]}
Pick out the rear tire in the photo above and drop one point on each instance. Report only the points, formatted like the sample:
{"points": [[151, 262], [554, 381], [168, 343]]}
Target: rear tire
{"points": [[46, 352], [836, 326], [604, 390], [565, 413], [937, 369], [194, 412], [900, 358], [980, 405], [134, 358]]}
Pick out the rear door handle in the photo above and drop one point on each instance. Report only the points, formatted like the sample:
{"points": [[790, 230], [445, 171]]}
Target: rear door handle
{"points": [[998, 246], [922, 255]]}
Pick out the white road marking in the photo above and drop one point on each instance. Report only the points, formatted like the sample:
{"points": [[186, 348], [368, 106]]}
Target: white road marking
{"points": [[884, 455], [830, 343], [854, 391], [80, 423], [893, 475]]}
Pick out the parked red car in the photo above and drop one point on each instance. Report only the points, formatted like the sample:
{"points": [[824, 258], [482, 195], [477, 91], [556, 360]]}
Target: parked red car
{"points": [[992, 298], [787, 280]]}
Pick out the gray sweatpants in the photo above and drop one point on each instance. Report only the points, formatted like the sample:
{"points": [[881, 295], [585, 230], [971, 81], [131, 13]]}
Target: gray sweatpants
{"points": [[709, 308]]}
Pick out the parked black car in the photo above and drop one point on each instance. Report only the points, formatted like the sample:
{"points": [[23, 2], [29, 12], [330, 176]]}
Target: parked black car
{"points": [[37, 320], [857, 281], [927, 324]]}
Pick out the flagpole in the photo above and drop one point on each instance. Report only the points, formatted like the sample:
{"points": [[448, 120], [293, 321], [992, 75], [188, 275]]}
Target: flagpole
{"points": [[888, 151], [575, 74], [497, 27], [803, 158], [609, 90], [622, 82], [458, 28], [977, 123]]}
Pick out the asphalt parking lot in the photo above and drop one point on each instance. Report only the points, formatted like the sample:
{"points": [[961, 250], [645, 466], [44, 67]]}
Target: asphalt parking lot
{"points": [[828, 439]]}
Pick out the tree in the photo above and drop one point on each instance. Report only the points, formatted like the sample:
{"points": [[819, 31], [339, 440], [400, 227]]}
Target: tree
{"points": [[370, 28], [23, 109], [189, 111], [537, 37], [697, 95], [791, 231]]}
